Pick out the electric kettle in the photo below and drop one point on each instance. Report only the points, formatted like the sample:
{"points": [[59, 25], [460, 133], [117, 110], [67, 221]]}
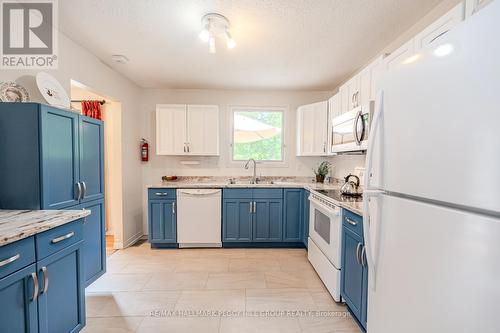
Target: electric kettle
{"points": [[351, 187]]}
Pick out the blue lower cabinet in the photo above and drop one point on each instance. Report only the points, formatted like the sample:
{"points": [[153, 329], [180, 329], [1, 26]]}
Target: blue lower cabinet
{"points": [[45, 294], [268, 220], [262, 217], [354, 273], [293, 219], [94, 246], [162, 222], [237, 220], [19, 311], [61, 302]]}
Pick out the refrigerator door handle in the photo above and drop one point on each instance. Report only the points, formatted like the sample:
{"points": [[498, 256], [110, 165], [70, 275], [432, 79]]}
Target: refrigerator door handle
{"points": [[370, 259], [371, 140]]}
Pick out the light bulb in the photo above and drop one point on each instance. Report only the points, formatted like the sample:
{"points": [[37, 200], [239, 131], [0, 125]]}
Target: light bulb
{"points": [[204, 35], [443, 50], [211, 44], [230, 42]]}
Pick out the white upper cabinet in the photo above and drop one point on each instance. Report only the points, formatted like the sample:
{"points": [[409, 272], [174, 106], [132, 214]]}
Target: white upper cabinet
{"points": [[203, 129], [445, 23], [333, 111], [399, 56], [350, 94], [473, 6], [187, 129], [312, 129], [171, 129]]}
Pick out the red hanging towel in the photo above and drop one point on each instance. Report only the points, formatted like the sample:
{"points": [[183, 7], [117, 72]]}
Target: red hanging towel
{"points": [[92, 109]]}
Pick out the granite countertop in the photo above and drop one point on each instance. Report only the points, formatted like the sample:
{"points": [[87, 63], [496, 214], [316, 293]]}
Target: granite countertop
{"points": [[19, 224], [353, 204]]}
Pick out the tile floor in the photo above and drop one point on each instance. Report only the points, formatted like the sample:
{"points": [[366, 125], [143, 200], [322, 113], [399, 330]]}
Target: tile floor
{"points": [[147, 290]]}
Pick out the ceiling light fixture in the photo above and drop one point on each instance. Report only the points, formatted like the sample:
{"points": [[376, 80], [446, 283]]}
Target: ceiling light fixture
{"points": [[216, 25]]}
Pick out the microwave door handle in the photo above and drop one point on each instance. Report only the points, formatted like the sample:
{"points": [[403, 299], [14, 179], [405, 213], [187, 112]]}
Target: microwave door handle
{"points": [[355, 129]]}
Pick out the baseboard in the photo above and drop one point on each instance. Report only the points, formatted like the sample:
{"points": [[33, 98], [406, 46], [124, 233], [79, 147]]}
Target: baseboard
{"points": [[263, 245], [129, 242]]}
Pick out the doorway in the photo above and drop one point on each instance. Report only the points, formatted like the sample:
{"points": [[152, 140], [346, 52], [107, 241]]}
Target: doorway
{"points": [[111, 116]]}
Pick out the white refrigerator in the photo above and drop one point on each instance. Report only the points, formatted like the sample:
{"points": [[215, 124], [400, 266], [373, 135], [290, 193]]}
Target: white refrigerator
{"points": [[432, 199]]}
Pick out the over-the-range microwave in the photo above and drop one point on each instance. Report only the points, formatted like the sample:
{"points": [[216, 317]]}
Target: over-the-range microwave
{"points": [[349, 131]]}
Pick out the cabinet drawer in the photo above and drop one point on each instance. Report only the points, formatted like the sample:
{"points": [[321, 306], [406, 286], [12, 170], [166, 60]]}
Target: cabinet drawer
{"points": [[51, 241], [353, 222], [268, 193], [237, 193], [16, 255], [161, 193]]}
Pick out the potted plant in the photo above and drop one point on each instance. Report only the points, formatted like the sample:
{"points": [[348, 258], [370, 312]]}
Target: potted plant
{"points": [[321, 172]]}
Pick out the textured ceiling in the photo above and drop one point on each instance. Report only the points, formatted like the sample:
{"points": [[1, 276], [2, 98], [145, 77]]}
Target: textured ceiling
{"points": [[282, 44]]}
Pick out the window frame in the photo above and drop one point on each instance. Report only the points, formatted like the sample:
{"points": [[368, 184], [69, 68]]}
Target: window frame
{"points": [[266, 163]]}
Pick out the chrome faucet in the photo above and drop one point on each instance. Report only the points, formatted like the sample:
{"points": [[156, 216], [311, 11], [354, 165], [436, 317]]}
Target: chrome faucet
{"points": [[254, 178]]}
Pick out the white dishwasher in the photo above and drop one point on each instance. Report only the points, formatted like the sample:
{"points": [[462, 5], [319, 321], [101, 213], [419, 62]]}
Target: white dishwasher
{"points": [[199, 217]]}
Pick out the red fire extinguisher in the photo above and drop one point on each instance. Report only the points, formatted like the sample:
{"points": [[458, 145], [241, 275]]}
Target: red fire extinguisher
{"points": [[144, 150]]}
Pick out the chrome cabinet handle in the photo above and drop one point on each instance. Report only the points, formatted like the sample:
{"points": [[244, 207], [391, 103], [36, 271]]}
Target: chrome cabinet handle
{"points": [[36, 289], [324, 147], [84, 190], [45, 273], [363, 256], [357, 253], [441, 34], [255, 207], [78, 190], [161, 194], [10, 260], [184, 147], [251, 207], [173, 207], [351, 222], [61, 238], [188, 148]]}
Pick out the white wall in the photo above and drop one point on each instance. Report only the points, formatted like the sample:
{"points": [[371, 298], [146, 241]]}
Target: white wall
{"points": [[219, 166], [79, 64]]}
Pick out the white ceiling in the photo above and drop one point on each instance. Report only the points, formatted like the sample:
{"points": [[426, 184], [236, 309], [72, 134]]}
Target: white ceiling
{"points": [[282, 44]]}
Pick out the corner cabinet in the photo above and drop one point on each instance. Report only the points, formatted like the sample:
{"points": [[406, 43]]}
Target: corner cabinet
{"points": [[162, 217], [312, 129], [43, 290], [187, 130], [354, 273], [56, 163]]}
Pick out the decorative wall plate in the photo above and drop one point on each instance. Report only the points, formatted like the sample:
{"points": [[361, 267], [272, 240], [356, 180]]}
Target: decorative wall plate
{"points": [[12, 92], [52, 90]]}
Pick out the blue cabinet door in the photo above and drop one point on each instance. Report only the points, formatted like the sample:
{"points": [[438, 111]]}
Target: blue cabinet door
{"points": [[91, 147], [19, 311], [237, 220], [94, 245], [293, 217], [61, 302], [162, 221], [305, 217], [352, 271], [267, 220], [59, 158]]}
